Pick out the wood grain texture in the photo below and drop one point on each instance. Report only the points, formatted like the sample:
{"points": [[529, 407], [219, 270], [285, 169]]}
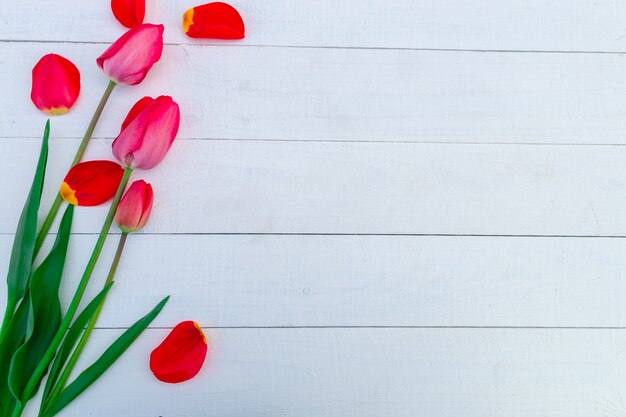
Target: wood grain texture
{"points": [[242, 281], [560, 25], [346, 95], [374, 372], [358, 188]]}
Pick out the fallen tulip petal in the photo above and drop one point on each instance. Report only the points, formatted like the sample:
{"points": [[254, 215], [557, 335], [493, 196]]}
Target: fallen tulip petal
{"points": [[55, 84], [181, 355], [129, 13], [91, 183], [214, 21]]}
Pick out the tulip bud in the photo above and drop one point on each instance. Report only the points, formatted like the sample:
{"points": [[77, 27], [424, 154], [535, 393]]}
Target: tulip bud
{"points": [[129, 13], [130, 57], [135, 206], [147, 132], [91, 183], [214, 20], [56, 84], [181, 355]]}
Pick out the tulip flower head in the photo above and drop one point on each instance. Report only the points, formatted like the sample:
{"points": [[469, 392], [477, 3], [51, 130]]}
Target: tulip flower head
{"points": [[147, 132], [214, 21], [91, 183], [130, 57], [135, 206], [56, 84], [129, 13], [181, 355]]}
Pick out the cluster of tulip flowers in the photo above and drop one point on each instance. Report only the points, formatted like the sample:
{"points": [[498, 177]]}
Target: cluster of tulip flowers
{"points": [[36, 337]]}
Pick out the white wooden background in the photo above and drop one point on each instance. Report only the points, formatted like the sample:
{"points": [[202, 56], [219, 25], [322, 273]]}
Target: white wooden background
{"points": [[376, 208]]}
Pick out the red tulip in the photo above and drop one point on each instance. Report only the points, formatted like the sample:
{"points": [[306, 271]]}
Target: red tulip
{"points": [[130, 57], [214, 20], [56, 84], [129, 13], [91, 183], [135, 206], [181, 355], [147, 132]]}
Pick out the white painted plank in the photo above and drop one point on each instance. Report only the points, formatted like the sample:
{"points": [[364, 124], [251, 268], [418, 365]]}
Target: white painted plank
{"points": [[374, 372], [362, 188], [359, 280], [480, 24], [346, 95]]}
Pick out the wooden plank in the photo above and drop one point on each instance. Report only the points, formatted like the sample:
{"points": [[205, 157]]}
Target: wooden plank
{"points": [[357, 188], [481, 24], [374, 372], [346, 95], [359, 280]]}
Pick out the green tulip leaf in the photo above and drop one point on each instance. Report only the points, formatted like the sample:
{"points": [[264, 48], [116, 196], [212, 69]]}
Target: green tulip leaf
{"points": [[70, 341], [45, 311], [20, 266], [14, 336], [102, 364]]}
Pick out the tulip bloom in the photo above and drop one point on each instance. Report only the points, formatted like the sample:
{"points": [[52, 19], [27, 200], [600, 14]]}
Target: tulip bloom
{"points": [[135, 206], [214, 20], [147, 132], [130, 57], [129, 13], [56, 84], [181, 355], [91, 183]]}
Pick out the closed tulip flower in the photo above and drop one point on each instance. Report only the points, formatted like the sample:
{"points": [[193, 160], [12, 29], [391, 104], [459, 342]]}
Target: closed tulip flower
{"points": [[214, 21], [129, 13], [147, 132], [56, 84], [134, 208], [130, 57], [91, 183], [181, 355]]}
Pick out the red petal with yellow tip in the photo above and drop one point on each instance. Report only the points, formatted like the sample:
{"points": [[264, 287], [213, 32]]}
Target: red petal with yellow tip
{"points": [[214, 21], [129, 13], [91, 183], [181, 355]]}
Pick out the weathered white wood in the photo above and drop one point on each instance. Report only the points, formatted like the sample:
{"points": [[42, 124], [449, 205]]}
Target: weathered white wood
{"points": [[481, 24], [362, 188], [359, 280], [372, 373], [345, 95]]}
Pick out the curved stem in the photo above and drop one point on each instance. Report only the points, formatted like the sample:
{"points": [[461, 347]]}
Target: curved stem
{"points": [[78, 295], [54, 209], [90, 326]]}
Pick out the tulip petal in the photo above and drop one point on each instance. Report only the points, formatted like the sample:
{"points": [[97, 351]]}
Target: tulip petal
{"points": [[91, 183], [129, 13], [181, 355], [55, 84], [136, 110], [216, 20]]}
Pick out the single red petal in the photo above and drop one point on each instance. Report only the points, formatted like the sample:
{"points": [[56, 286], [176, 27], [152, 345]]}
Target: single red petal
{"points": [[181, 355], [214, 21], [129, 13], [137, 108], [55, 84], [91, 183]]}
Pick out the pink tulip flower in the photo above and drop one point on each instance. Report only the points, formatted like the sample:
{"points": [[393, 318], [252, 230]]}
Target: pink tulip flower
{"points": [[130, 57], [147, 132], [135, 206]]}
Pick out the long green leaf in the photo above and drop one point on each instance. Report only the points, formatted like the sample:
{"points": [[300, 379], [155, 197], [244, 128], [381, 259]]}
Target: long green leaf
{"points": [[45, 311], [69, 342], [14, 337], [20, 266], [100, 366]]}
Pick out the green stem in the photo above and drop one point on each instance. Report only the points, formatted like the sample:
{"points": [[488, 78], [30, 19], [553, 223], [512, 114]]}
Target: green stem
{"points": [[8, 315], [45, 227], [90, 326], [78, 295]]}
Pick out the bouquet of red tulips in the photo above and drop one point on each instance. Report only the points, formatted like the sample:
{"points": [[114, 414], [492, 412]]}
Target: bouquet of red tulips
{"points": [[36, 337]]}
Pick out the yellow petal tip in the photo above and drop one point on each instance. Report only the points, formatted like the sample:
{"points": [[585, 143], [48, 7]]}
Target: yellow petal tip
{"points": [[187, 20], [68, 194]]}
